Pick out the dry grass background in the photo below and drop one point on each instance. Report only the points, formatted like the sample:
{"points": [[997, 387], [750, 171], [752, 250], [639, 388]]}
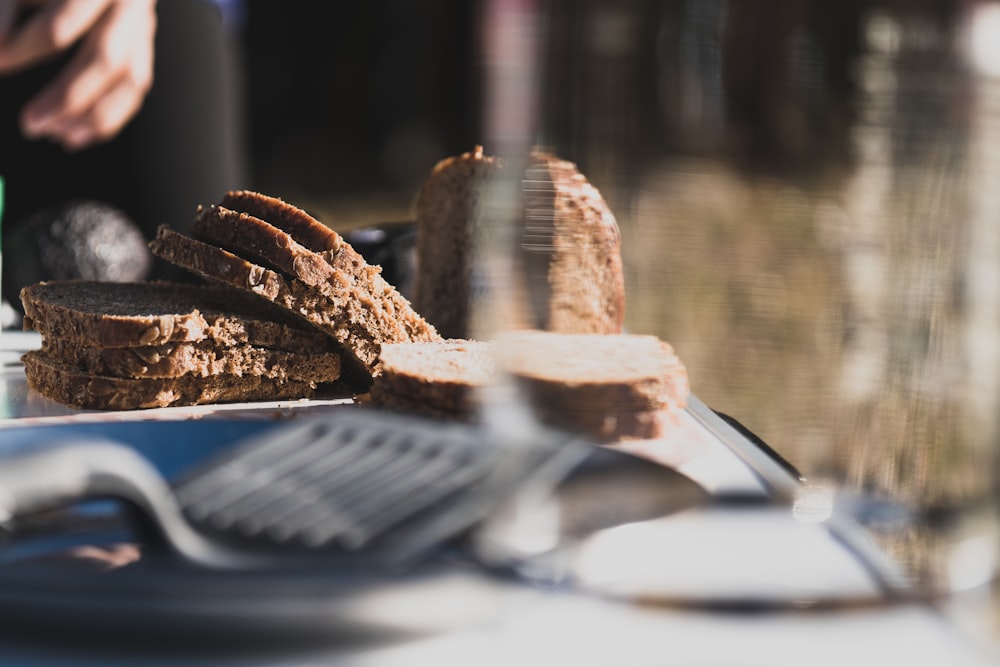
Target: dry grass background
{"points": [[843, 348]]}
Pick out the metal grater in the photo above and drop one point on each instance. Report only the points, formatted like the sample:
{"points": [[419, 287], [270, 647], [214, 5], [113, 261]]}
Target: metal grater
{"points": [[345, 483]]}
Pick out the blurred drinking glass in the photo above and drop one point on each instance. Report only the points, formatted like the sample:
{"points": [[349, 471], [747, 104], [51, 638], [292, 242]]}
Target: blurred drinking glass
{"points": [[809, 198]]}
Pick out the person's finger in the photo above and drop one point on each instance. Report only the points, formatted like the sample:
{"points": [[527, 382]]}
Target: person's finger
{"points": [[74, 90], [108, 557], [55, 28], [103, 120], [117, 53]]}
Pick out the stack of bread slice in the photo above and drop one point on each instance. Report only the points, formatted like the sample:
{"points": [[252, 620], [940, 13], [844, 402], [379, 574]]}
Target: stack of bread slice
{"points": [[124, 346], [289, 308], [276, 251], [606, 387]]}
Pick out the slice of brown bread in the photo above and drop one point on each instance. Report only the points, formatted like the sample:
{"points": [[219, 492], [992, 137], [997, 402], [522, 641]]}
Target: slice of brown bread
{"points": [[295, 242], [199, 358], [220, 265], [112, 315], [304, 228], [351, 292], [443, 376], [71, 386], [612, 372], [258, 240], [604, 387], [353, 326], [569, 247]]}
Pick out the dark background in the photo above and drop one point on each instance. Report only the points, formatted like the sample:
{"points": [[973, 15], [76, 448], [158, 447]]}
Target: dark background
{"points": [[335, 101], [368, 96], [351, 99], [343, 108]]}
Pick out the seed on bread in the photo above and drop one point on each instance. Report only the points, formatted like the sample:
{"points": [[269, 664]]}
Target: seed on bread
{"points": [[150, 336]]}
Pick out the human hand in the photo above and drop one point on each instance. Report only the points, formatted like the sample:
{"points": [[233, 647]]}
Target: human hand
{"points": [[103, 558], [105, 82]]}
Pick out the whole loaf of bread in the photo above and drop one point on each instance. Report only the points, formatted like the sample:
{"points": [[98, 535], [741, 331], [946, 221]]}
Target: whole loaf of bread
{"points": [[568, 247]]}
